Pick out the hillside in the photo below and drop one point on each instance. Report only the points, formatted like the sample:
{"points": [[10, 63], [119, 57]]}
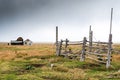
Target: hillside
{"points": [[39, 62]]}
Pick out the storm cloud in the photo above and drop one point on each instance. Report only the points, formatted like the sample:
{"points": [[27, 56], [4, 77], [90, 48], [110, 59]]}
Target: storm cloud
{"points": [[36, 19]]}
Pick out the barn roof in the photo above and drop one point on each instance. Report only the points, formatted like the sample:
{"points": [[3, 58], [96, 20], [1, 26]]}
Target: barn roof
{"points": [[19, 39]]}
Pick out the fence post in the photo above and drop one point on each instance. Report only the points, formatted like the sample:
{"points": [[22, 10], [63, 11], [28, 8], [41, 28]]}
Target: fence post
{"points": [[66, 44], [109, 52], [82, 58], [109, 43], [57, 49], [90, 39]]}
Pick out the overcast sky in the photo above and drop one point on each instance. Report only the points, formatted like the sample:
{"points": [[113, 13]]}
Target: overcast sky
{"points": [[37, 19]]}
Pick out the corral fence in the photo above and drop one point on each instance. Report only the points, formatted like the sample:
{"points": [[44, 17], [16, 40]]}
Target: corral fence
{"points": [[97, 51]]}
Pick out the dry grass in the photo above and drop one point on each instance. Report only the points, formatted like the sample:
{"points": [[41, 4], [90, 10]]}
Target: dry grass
{"points": [[33, 63], [13, 52], [116, 57]]}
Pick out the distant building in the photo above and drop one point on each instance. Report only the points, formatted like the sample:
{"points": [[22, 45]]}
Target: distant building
{"points": [[19, 41], [28, 42]]}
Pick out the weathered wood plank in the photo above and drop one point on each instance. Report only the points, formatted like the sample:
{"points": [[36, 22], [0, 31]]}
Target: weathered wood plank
{"points": [[96, 60], [90, 53]]}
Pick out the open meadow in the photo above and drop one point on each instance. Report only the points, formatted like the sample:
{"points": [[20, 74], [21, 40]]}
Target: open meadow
{"points": [[39, 62]]}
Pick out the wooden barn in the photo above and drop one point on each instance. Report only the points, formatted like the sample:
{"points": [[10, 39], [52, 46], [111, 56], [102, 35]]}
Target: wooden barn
{"points": [[19, 41]]}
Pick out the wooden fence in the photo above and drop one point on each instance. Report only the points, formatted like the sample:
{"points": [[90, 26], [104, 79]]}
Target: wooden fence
{"points": [[97, 51]]}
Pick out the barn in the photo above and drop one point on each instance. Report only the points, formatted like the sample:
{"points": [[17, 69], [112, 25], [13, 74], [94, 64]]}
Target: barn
{"points": [[19, 41]]}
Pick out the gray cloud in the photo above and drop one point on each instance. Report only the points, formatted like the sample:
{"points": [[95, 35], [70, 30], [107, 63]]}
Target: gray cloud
{"points": [[23, 17], [14, 7]]}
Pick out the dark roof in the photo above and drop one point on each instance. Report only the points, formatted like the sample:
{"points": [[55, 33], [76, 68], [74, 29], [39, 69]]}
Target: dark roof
{"points": [[27, 40], [19, 39]]}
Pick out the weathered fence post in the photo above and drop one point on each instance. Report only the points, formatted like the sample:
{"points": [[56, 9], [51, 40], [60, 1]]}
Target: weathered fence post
{"points": [[82, 58], [109, 51], [109, 43], [60, 48], [57, 49], [66, 44], [90, 39]]}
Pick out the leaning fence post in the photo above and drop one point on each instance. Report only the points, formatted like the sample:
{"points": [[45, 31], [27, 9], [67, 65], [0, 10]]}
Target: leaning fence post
{"points": [[109, 43], [82, 58]]}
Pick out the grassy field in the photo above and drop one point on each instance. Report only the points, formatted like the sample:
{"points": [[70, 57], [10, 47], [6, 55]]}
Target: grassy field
{"points": [[34, 63]]}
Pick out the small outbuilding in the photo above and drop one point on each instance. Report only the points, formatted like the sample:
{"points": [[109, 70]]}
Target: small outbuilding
{"points": [[28, 42]]}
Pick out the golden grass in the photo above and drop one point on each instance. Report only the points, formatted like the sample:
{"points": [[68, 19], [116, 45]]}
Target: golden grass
{"points": [[19, 52], [11, 52], [65, 69], [116, 58]]}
